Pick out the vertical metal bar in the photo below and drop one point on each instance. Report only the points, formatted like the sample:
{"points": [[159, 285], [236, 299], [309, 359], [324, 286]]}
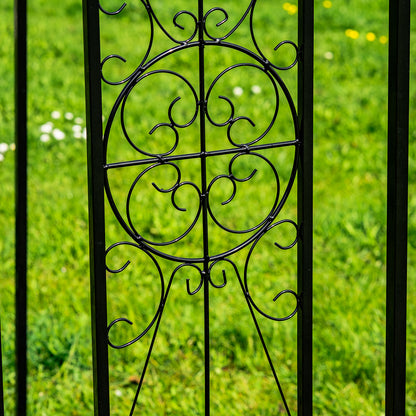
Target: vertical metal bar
{"points": [[96, 205], [202, 107], [397, 194], [20, 58], [1, 380], [305, 203]]}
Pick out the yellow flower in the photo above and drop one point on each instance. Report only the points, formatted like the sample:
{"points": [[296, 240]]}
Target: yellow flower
{"points": [[293, 9], [370, 36], [351, 33], [327, 4], [290, 8], [383, 39]]}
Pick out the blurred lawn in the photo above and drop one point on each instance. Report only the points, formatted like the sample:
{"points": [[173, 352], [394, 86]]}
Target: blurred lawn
{"points": [[350, 157]]}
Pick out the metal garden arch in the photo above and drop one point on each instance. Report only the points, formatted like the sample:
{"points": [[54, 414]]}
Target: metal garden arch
{"points": [[200, 37], [201, 40]]}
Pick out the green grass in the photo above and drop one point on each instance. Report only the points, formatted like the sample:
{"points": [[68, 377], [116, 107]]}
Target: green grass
{"points": [[350, 160]]}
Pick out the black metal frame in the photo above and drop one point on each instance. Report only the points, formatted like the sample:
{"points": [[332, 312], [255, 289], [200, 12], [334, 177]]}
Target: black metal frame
{"points": [[397, 205], [100, 169], [20, 7], [397, 210], [305, 205], [96, 206], [1, 380]]}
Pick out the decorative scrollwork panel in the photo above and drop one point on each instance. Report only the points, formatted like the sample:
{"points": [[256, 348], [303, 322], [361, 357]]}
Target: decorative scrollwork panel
{"points": [[201, 147]]}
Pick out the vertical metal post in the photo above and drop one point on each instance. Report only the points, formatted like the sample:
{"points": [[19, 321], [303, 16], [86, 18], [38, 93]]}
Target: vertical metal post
{"points": [[20, 14], [96, 205], [202, 116], [305, 203], [1, 380], [397, 194]]}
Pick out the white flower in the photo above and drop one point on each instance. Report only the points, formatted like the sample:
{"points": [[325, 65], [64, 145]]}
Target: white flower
{"points": [[58, 134], [77, 134], [69, 116], [238, 91], [76, 128], [47, 127], [78, 120], [328, 55], [256, 89], [84, 133], [12, 147], [45, 137], [1, 157], [55, 115], [4, 147], [118, 393]]}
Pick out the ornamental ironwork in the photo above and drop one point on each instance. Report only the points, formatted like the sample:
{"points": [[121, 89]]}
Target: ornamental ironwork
{"points": [[196, 177]]}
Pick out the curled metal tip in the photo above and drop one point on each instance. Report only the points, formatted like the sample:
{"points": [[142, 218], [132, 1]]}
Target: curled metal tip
{"points": [[296, 237], [112, 13], [122, 268], [188, 289], [295, 61], [222, 284]]}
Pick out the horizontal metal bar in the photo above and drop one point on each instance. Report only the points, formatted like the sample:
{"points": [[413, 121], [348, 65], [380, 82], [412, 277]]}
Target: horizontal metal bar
{"points": [[172, 158]]}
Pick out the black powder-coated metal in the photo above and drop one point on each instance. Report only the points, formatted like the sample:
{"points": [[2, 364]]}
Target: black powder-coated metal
{"points": [[305, 205], [100, 171], [397, 210], [1, 380], [20, 12], [96, 206]]}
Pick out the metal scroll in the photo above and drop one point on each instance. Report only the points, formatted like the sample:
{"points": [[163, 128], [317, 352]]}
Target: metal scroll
{"points": [[195, 178]]}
